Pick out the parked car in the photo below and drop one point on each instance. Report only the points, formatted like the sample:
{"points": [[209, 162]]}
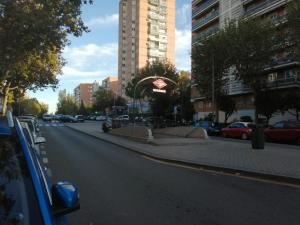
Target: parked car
{"points": [[123, 118], [47, 118], [25, 186], [210, 127], [80, 118], [100, 118], [34, 142], [241, 130], [68, 119], [288, 131], [33, 126]]}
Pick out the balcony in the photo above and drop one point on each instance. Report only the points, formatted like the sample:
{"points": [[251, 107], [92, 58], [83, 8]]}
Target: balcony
{"points": [[154, 2], [202, 22], [203, 7], [264, 7], [282, 62], [237, 88], [204, 35]]}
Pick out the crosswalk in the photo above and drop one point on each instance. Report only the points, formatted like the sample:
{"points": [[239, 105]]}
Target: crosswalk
{"points": [[51, 125]]}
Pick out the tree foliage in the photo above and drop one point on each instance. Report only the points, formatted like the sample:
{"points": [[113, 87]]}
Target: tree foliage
{"points": [[67, 106], [211, 56], [106, 99], [294, 24], [161, 104], [269, 103], [27, 105], [32, 37], [227, 105]]}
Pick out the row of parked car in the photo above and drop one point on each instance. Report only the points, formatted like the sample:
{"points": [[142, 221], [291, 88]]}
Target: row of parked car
{"points": [[64, 118], [26, 189], [283, 131]]}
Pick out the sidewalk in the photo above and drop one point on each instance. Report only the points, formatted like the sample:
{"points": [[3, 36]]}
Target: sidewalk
{"points": [[275, 160]]}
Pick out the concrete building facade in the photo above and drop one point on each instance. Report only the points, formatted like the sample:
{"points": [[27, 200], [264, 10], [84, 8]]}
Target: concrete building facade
{"points": [[146, 34], [84, 92], [209, 16], [111, 83]]}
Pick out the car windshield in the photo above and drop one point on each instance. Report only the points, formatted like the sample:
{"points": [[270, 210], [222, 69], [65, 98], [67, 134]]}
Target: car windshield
{"points": [[18, 203]]}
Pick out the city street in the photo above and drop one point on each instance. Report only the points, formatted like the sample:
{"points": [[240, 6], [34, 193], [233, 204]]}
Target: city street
{"points": [[121, 187]]}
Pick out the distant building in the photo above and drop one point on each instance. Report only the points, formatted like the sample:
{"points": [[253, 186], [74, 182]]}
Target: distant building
{"points": [[146, 34], [84, 92], [111, 83]]}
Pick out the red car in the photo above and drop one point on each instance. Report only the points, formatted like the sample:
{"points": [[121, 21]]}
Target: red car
{"points": [[284, 131], [237, 130]]}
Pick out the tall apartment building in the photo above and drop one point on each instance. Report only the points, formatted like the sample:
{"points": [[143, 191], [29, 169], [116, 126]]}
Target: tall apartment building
{"points": [[85, 92], [111, 83], [146, 33], [209, 16]]}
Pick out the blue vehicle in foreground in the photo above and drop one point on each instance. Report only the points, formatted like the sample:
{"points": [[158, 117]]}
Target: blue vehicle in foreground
{"points": [[26, 195]]}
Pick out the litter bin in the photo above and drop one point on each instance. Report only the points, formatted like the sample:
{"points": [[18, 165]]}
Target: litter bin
{"points": [[258, 139]]}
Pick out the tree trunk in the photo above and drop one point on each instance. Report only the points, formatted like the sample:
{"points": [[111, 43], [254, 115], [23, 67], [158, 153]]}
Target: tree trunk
{"points": [[4, 102]]}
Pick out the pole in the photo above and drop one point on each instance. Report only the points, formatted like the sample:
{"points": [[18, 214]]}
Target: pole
{"points": [[213, 86]]}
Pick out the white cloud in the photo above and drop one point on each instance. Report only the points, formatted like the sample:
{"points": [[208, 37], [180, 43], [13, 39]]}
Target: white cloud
{"points": [[183, 49], [183, 16], [88, 63], [108, 20], [90, 54]]}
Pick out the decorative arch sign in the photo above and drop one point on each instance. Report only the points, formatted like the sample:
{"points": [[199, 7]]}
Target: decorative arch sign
{"points": [[160, 84]]}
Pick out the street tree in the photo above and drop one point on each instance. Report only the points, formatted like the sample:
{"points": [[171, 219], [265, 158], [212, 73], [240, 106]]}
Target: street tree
{"points": [[292, 103], [226, 104], [211, 62], [31, 30], [293, 16], [105, 99], [184, 100], [269, 103], [67, 106], [82, 109], [30, 106], [252, 45]]}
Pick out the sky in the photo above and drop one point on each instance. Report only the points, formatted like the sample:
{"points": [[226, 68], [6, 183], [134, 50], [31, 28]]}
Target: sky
{"points": [[94, 55]]}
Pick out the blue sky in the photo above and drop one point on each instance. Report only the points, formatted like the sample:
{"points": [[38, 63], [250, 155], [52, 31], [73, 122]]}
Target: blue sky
{"points": [[94, 56]]}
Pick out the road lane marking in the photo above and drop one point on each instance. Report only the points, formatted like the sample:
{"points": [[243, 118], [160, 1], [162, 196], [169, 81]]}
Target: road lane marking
{"points": [[45, 160], [237, 175]]}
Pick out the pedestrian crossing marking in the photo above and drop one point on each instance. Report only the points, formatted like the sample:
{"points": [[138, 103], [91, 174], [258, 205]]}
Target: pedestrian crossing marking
{"points": [[51, 125]]}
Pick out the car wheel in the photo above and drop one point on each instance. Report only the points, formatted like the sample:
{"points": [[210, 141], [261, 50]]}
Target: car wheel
{"points": [[244, 136]]}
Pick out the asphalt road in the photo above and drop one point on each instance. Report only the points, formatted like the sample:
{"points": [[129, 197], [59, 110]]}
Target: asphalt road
{"points": [[118, 187]]}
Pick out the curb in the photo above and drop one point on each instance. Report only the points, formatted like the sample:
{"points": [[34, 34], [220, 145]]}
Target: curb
{"points": [[213, 168]]}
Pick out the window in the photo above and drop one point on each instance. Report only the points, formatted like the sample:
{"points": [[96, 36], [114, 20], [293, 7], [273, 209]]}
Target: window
{"points": [[16, 186], [279, 125], [272, 77]]}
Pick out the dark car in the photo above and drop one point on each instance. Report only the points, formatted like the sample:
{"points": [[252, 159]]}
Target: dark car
{"points": [[68, 119], [210, 127], [80, 118], [241, 130], [287, 131], [26, 192]]}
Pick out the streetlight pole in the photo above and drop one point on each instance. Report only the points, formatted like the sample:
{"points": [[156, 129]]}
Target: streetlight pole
{"points": [[213, 87]]}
